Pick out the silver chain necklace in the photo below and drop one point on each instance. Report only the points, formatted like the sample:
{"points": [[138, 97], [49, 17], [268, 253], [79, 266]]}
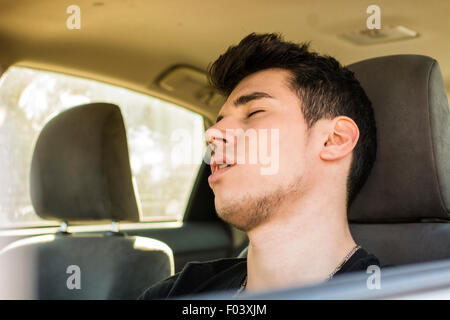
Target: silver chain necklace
{"points": [[348, 256]]}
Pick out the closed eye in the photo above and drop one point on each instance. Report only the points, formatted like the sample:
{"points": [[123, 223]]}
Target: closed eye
{"points": [[252, 113]]}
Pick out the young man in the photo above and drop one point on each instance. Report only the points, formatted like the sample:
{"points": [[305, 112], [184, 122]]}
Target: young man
{"points": [[325, 144]]}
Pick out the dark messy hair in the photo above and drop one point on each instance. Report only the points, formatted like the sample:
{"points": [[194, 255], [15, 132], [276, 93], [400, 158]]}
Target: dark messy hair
{"points": [[325, 88]]}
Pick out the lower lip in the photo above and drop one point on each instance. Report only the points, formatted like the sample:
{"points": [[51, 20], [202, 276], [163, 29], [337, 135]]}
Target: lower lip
{"points": [[216, 175]]}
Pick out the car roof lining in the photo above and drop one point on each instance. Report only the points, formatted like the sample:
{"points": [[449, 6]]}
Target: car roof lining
{"points": [[130, 43]]}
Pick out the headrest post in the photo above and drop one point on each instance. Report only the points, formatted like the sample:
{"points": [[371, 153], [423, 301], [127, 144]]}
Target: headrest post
{"points": [[115, 226], [63, 227]]}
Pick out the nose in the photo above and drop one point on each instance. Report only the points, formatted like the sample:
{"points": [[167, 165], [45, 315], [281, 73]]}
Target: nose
{"points": [[218, 137], [215, 139], [220, 142]]}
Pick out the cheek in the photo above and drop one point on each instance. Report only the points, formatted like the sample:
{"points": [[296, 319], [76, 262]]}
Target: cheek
{"points": [[280, 151], [293, 151]]}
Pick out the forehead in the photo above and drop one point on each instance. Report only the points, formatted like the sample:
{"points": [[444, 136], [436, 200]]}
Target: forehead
{"points": [[272, 81]]}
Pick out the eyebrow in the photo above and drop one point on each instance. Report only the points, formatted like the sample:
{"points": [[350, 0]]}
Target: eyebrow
{"points": [[247, 98]]}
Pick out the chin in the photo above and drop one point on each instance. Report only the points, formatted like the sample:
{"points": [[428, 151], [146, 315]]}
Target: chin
{"points": [[242, 212], [236, 220], [230, 210]]}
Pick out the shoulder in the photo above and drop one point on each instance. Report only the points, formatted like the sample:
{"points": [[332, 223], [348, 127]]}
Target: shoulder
{"points": [[159, 290], [191, 277]]}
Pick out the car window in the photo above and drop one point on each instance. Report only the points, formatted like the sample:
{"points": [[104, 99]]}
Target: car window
{"points": [[166, 141]]}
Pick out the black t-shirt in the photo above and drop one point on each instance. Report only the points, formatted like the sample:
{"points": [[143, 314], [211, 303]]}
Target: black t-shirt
{"points": [[228, 274]]}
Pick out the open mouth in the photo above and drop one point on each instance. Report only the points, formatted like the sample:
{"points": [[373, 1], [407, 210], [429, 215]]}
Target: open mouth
{"points": [[218, 170]]}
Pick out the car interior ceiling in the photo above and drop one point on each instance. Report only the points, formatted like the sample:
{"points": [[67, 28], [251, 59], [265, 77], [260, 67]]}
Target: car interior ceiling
{"points": [[162, 36]]}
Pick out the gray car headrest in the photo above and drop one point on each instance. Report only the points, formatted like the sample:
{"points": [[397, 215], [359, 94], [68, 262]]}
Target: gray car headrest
{"points": [[80, 169], [410, 180]]}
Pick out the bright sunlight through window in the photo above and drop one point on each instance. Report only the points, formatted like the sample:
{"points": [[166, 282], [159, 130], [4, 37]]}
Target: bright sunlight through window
{"points": [[166, 142]]}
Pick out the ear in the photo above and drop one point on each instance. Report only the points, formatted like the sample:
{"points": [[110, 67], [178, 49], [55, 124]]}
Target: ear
{"points": [[342, 140]]}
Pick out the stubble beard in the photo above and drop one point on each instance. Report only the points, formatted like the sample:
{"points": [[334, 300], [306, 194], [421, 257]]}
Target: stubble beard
{"points": [[249, 211]]}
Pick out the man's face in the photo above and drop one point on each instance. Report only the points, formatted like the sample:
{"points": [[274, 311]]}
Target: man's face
{"points": [[262, 104]]}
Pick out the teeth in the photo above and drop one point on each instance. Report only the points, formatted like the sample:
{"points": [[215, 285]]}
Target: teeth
{"points": [[223, 165]]}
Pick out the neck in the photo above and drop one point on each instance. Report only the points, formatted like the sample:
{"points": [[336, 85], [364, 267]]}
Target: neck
{"points": [[299, 246]]}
